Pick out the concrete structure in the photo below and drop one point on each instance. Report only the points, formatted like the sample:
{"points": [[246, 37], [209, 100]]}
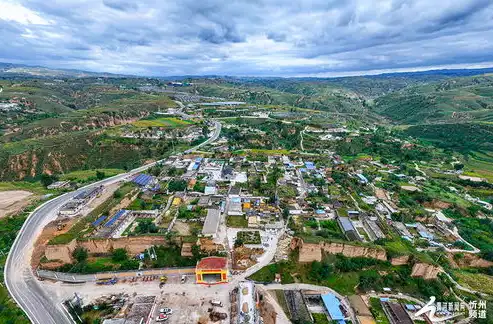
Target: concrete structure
{"points": [[59, 185], [211, 224], [248, 311], [212, 270], [85, 196], [70, 209]]}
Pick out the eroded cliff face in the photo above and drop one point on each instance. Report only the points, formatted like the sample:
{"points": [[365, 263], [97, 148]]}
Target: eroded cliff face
{"points": [[313, 252], [74, 151], [58, 126], [133, 245]]}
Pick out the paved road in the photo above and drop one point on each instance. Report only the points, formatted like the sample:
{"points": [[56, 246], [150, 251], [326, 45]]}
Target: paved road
{"points": [[211, 139], [19, 277]]}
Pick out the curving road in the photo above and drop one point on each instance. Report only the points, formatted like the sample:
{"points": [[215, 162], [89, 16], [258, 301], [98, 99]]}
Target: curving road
{"points": [[20, 280]]}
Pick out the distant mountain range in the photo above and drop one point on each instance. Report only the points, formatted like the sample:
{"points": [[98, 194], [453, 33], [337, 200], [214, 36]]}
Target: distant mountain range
{"points": [[22, 70]]}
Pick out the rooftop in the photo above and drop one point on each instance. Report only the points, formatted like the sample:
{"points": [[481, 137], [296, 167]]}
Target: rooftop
{"points": [[143, 179], [212, 262], [211, 222], [346, 224], [333, 307]]}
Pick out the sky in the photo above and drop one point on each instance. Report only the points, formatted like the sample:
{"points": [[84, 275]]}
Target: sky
{"points": [[321, 38]]}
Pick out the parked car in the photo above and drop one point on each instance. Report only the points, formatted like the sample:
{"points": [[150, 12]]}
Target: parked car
{"points": [[216, 303], [162, 318], [166, 311], [183, 278]]}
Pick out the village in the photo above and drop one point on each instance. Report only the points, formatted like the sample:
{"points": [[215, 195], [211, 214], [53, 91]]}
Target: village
{"points": [[221, 217]]}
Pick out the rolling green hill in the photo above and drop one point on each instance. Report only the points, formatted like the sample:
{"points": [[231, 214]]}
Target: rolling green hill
{"points": [[451, 100]]}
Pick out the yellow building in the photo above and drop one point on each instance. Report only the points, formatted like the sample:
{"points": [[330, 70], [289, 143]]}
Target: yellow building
{"points": [[212, 270], [176, 201]]}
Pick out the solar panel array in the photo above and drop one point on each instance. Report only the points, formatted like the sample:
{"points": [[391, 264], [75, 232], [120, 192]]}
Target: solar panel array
{"points": [[143, 179], [98, 221], [115, 217]]}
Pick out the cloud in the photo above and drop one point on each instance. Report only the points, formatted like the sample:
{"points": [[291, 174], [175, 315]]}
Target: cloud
{"points": [[246, 37], [121, 5]]}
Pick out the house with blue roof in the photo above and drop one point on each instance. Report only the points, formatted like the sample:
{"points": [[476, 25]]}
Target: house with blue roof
{"points": [[333, 306], [144, 180]]}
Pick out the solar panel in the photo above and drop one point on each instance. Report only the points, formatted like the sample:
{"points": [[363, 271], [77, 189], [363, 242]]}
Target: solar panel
{"points": [[113, 219], [143, 179], [98, 221]]}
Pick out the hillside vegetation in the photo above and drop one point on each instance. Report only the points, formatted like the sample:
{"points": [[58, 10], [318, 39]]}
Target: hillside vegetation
{"points": [[451, 100]]}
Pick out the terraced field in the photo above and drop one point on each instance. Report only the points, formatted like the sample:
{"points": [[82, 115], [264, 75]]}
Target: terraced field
{"points": [[162, 122]]}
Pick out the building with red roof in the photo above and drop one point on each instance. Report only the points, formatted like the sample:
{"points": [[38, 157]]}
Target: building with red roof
{"points": [[212, 270]]}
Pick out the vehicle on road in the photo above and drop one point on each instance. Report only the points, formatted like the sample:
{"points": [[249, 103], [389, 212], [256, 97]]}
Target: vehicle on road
{"points": [[183, 278], [162, 318], [217, 303], [162, 281]]}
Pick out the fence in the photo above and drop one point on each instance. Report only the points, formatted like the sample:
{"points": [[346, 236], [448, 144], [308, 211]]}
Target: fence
{"points": [[79, 278]]}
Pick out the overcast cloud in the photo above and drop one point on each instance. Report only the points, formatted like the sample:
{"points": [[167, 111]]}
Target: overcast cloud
{"points": [[247, 37]]}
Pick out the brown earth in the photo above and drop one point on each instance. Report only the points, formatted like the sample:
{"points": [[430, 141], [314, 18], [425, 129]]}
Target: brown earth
{"points": [[13, 201], [133, 245], [425, 271], [313, 252], [468, 261]]}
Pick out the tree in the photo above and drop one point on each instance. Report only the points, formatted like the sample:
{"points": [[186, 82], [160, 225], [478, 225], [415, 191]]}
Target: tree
{"points": [[80, 254], [238, 242], [47, 179], [177, 185], [146, 226], [320, 271], [117, 194], [100, 175], [369, 280], [458, 166], [119, 255]]}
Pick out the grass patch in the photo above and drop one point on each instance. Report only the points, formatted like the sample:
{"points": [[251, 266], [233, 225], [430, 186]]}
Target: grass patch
{"points": [[476, 281], [377, 311], [35, 187], [89, 175], [162, 122], [320, 318], [281, 300], [249, 237], [343, 282], [268, 273], [237, 221]]}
